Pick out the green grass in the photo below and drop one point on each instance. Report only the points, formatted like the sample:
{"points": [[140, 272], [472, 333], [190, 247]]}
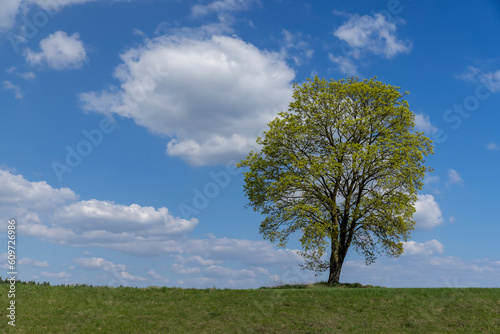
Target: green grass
{"points": [[288, 309]]}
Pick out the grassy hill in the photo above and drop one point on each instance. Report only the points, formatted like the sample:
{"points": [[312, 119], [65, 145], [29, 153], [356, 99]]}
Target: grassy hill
{"points": [[288, 309]]}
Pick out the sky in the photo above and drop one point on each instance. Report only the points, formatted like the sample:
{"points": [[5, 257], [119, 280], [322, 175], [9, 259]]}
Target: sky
{"points": [[121, 123]]}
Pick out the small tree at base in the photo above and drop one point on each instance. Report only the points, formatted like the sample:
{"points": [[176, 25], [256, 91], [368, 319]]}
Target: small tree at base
{"points": [[342, 167]]}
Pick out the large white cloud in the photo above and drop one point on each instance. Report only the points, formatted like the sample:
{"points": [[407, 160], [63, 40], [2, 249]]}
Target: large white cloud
{"points": [[31, 197], [212, 95], [427, 248], [428, 214], [59, 51], [372, 33], [58, 216]]}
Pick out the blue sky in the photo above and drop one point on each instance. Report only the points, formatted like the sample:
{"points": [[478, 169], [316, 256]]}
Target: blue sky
{"points": [[121, 122]]}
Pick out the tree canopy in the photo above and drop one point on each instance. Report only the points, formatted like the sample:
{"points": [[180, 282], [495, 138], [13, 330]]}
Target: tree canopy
{"points": [[342, 167]]}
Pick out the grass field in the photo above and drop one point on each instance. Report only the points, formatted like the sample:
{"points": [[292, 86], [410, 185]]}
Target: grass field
{"points": [[289, 309]]}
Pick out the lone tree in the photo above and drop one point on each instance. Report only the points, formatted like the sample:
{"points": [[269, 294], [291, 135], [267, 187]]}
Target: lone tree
{"points": [[342, 167]]}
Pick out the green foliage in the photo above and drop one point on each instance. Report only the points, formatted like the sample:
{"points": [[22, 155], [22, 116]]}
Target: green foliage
{"points": [[342, 166]]}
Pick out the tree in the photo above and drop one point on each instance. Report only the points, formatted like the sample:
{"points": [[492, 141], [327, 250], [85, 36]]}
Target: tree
{"points": [[343, 167]]}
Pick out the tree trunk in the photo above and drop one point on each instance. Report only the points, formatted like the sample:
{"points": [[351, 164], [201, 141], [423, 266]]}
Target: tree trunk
{"points": [[336, 261]]}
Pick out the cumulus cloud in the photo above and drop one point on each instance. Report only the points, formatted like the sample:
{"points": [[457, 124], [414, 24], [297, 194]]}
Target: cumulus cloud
{"points": [[10, 9], [16, 191], [493, 146], [8, 12], [344, 65], [27, 75], [424, 270], [296, 47], [60, 275], [98, 263], [373, 34], [7, 85], [59, 51], [220, 6], [428, 214], [423, 249], [58, 216], [423, 123], [157, 277], [249, 252], [211, 95], [491, 80], [35, 263], [55, 4], [454, 177]]}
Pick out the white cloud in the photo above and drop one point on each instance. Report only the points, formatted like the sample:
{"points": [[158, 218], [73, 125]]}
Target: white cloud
{"points": [[60, 275], [57, 215], [372, 33], [8, 12], [117, 270], [157, 277], [220, 6], [454, 177], [27, 75], [7, 85], [344, 65], [491, 80], [98, 263], [212, 95], [296, 47], [423, 123], [424, 271], [430, 179], [431, 183], [493, 146], [228, 273], [423, 249], [428, 214], [16, 191], [36, 263], [59, 51], [10, 9], [249, 252], [93, 215], [51, 5], [180, 269]]}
